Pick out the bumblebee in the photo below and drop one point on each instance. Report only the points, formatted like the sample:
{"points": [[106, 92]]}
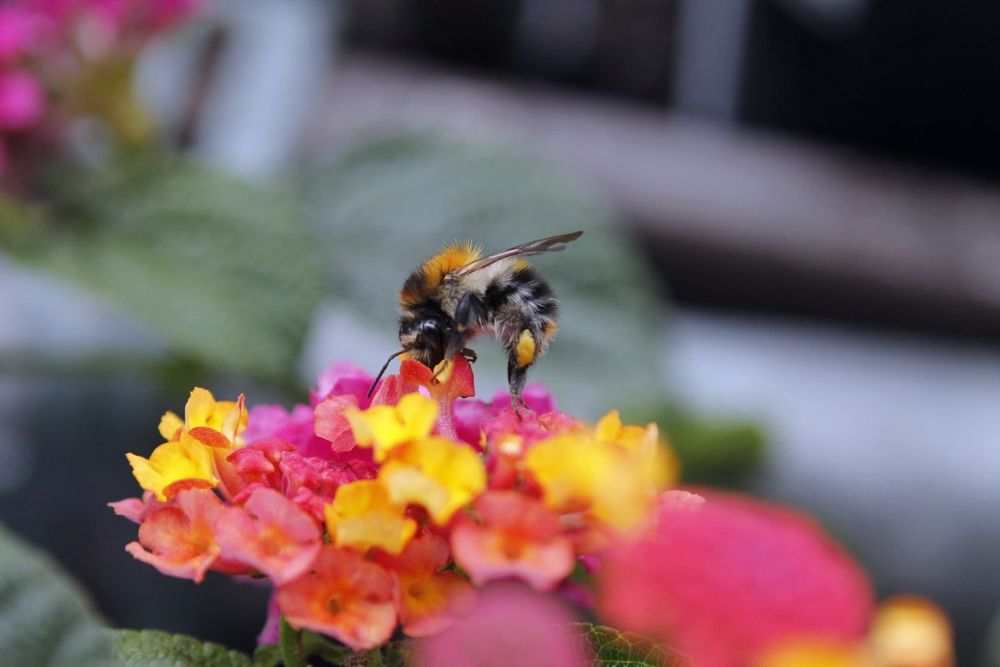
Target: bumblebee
{"points": [[458, 294]]}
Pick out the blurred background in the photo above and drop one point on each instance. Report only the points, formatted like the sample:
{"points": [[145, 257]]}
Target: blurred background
{"points": [[791, 258]]}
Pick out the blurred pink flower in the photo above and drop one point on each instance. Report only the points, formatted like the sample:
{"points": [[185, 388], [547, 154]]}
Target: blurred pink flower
{"points": [[20, 27], [343, 379], [21, 100], [723, 580], [166, 13], [511, 626]]}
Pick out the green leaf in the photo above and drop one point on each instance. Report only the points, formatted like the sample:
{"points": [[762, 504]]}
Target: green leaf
{"points": [[45, 618], [392, 654], [225, 272], [387, 205], [612, 648], [318, 646], [267, 655], [163, 649]]}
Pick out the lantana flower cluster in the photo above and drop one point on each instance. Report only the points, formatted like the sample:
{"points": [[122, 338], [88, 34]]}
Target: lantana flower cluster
{"points": [[368, 514], [59, 58]]}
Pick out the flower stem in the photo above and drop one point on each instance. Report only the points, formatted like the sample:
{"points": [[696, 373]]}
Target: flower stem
{"points": [[290, 645]]}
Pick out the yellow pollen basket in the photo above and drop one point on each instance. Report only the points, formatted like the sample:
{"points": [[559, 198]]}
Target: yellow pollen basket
{"points": [[525, 349]]}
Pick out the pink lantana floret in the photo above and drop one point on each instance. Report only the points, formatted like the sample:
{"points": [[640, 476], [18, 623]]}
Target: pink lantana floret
{"points": [[472, 415], [344, 596], [511, 625], [428, 600], [271, 534], [343, 379], [515, 537], [136, 509], [178, 539], [331, 424], [725, 579], [21, 101]]}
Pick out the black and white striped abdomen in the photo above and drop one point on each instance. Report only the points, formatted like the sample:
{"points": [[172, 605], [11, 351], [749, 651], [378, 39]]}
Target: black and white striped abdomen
{"points": [[521, 299]]}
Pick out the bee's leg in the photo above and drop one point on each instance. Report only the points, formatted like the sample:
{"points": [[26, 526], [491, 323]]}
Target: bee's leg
{"points": [[469, 313], [520, 355], [454, 346], [470, 355], [516, 377]]}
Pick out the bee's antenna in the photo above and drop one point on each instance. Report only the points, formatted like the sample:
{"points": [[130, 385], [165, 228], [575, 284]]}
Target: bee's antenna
{"points": [[382, 372]]}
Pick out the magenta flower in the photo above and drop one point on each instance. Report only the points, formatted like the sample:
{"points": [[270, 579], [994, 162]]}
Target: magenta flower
{"points": [[343, 379], [20, 29], [724, 580], [472, 415], [511, 625], [21, 101]]}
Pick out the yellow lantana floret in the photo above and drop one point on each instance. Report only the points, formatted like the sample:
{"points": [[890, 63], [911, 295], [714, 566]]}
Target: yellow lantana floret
{"points": [[386, 427], [227, 417], [580, 473], [814, 653], [440, 475], [362, 516], [184, 460], [644, 442]]}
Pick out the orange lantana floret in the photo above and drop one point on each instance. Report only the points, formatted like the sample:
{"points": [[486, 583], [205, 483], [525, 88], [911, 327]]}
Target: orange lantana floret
{"points": [[344, 596], [428, 600], [514, 537]]}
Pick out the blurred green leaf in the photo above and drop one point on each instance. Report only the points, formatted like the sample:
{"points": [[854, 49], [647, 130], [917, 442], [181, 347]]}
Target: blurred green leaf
{"points": [[44, 618], [163, 649], [619, 649], [267, 655], [388, 204], [224, 271], [392, 654]]}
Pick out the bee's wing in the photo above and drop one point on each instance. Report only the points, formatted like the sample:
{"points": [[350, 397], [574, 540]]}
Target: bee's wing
{"points": [[548, 244]]}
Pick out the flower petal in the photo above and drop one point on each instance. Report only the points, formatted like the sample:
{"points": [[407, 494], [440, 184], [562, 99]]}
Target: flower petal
{"points": [[173, 462], [386, 427], [345, 596], [331, 423], [724, 581], [363, 516], [271, 534], [428, 601], [438, 474], [518, 537], [510, 626], [178, 540]]}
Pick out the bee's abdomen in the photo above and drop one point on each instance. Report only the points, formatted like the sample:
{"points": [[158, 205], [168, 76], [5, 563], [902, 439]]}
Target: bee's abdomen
{"points": [[521, 300]]}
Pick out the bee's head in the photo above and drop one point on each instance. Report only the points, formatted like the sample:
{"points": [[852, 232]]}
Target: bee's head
{"points": [[425, 336]]}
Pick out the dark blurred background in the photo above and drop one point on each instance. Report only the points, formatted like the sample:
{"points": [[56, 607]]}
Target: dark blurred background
{"points": [[812, 185]]}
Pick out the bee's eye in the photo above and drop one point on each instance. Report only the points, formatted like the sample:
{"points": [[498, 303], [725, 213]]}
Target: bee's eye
{"points": [[418, 342]]}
